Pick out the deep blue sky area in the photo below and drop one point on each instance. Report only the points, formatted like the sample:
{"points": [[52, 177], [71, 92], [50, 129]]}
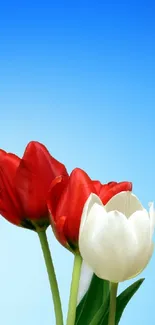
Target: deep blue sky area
{"points": [[78, 76]]}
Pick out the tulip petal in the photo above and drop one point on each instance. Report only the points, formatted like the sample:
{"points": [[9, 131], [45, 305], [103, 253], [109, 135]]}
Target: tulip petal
{"points": [[98, 186], [85, 280], [57, 186], [105, 189], [124, 202], [41, 163], [111, 189], [152, 218], [107, 243], [9, 213], [72, 201], [141, 262], [59, 227], [141, 226], [10, 207], [36, 171], [2, 155], [92, 199]]}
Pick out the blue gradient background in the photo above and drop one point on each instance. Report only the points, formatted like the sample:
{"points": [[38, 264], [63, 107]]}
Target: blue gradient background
{"points": [[79, 77]]}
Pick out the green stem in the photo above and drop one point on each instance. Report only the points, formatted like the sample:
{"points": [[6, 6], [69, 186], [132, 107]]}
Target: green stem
{"points": [[52, 277], [112, 309], [74, 290]]}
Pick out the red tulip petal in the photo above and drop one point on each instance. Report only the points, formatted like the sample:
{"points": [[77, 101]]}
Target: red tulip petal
{"points": [[97, 186], [108, 192], [9, 204], [60, 231], [41, 163], [100, 188], [9, 214], [56, 189], [34, 176], [2, 155], [72, 201]]}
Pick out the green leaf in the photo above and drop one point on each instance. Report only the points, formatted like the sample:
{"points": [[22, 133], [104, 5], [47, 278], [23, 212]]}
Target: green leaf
{"points": [[92, 301], [124, 298], [121, 303], [101, 313]]}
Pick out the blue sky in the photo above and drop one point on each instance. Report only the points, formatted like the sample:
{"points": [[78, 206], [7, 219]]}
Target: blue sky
{"points": [[79, 77]]}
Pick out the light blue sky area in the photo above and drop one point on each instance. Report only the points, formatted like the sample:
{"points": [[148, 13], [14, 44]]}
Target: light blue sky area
{"points": [[79, 77]]}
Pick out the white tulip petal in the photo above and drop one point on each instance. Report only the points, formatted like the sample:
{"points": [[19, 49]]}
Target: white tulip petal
{"points": [[141, 262], [124, 202], [85, 280], [152, 217], [107, 243], [92, 199], [140, 224]]}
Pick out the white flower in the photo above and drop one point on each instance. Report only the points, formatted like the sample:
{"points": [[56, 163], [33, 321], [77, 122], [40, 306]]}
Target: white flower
{"points": [[116, 240]]}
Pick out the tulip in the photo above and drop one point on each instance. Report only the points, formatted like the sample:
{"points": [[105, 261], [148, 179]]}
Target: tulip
{"points": [[115, 240], [66, 208], [24, 185]]}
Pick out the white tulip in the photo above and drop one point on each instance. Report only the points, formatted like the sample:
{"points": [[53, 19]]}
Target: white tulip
{"points": [[116, 240]]}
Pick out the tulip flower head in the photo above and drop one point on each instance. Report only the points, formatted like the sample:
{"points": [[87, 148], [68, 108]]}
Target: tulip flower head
{"points": [[24, 185], [115, 240], [67, 197]]}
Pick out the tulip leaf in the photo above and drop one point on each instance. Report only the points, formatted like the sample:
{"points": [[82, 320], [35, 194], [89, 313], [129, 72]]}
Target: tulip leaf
{"points": [[102, 313], [101, 317], [92, 301], [124, 298]]}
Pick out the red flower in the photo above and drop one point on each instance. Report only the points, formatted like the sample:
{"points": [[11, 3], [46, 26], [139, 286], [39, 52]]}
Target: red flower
{"points": [[66, 208], [24, 185]]}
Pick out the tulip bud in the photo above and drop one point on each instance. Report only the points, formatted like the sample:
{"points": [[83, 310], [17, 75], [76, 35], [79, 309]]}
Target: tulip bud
{"points": [[67, 197], [115, 240], [24, 185]]}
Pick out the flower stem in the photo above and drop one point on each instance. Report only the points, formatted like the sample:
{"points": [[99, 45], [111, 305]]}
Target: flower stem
{"points": [[74, 290], [112, 309], [52, 277]]}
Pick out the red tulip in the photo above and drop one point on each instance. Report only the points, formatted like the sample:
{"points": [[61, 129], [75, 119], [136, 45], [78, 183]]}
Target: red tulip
{"points": [[24, 185], [66, 208]]}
